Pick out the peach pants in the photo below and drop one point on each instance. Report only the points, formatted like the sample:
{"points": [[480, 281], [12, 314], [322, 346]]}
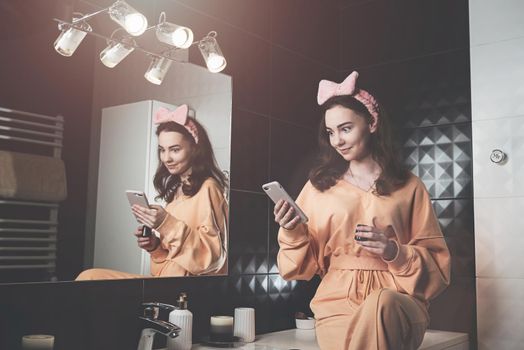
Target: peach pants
{"points": [[105, 274], [386, 319]]}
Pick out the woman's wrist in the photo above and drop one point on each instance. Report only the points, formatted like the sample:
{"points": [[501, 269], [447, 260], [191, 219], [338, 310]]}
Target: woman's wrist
{"points": [[391, 251], [157, 244]]}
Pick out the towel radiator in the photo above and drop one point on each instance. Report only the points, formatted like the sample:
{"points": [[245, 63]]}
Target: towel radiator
{"points": [[28, 229]]}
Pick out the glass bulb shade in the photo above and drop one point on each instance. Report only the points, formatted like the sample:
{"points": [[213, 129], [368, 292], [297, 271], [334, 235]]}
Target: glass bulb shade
{"points": [[212, 54], [175, 35], [114, 53], [157, 70], [128, 18], [70, 38]]}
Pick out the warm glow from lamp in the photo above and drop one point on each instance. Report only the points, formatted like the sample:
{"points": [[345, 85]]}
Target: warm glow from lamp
{"points": [[135, 24], [128, 18], [173, 34]]}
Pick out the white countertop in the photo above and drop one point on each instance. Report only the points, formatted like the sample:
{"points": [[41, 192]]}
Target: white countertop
{"points": [[306, 340], [289, 339]]}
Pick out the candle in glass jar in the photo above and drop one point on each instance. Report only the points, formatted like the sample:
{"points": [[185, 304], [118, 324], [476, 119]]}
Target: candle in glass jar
{"points": [[38, 342], [221, 328]]}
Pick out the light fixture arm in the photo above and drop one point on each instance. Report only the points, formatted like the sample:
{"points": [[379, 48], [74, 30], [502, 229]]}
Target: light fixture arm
{"points": [[76, 20]]}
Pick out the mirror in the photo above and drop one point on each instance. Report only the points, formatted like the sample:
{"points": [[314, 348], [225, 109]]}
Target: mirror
{"points": [[123, 155]]}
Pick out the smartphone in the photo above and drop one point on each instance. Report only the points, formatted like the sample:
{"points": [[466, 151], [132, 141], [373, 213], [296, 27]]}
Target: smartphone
{"points": [[139, 197], [276, 192]]}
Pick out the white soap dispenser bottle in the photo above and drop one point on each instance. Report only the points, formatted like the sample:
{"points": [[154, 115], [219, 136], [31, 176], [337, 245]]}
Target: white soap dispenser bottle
{"points": [[183, 318]]}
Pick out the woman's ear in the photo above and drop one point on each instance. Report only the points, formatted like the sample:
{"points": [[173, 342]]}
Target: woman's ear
{"points": [[373, 125]]}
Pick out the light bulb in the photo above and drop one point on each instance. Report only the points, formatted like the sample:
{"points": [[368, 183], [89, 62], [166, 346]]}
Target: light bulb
{"points": [[215, 63], [215, 60], [135, 24], [157, 70], [128, 18], [70, 38], [115, 53], [175, 35], [180, 37]]}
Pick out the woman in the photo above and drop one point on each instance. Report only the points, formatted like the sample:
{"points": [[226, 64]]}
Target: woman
{"points": [[372, 234], [191, 231]]}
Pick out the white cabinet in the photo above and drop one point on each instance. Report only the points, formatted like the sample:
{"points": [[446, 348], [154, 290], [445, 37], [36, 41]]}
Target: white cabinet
{"points": [[127, 161]]}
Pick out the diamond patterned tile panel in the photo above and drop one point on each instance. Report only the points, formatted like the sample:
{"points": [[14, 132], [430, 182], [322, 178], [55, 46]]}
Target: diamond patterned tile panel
{"points": [[288, 297], [442, 157]]}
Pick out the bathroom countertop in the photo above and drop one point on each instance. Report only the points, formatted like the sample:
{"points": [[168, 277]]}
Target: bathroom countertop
{"points": [[306, 340], [283, 340]]}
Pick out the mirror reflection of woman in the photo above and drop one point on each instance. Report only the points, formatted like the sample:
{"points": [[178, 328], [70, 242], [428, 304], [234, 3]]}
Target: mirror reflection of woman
{"points": [[372, 234], [190, 232]]}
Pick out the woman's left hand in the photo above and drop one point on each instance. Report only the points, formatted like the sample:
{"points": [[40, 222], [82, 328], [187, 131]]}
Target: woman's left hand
{"points": [[151, 217], [376, 242]]}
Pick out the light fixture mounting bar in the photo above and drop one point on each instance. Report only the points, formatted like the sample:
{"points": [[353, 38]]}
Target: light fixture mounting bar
{"points": [[76, 20]]}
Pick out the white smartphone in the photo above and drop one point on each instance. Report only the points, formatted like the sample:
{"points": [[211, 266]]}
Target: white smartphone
{"points": [[276, 192], [139, 197]]}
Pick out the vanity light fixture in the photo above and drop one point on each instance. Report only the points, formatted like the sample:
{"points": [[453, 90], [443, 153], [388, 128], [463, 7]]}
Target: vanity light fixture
{"points": [[134, 23]]}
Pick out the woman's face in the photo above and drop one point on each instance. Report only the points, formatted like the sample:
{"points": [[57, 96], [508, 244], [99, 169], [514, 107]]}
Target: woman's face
{"points": [[175, 152], [348, 132]]}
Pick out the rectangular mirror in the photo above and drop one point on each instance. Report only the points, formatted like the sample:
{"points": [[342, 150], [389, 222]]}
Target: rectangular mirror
{"points": [[124, 155]]}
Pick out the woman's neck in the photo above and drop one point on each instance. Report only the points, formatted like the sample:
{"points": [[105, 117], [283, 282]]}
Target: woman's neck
{"points": [[364, 168]]}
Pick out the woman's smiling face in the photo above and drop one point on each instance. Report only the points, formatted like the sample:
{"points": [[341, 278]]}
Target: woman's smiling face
{"points": [[348, 132], [175, 152]]}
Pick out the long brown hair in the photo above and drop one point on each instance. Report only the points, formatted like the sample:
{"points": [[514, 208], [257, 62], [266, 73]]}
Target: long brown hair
{"points": [[384, 151], [202, 159]]}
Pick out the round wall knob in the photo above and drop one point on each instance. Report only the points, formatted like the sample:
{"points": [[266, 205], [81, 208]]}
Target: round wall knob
{"points": [[497, 156]]}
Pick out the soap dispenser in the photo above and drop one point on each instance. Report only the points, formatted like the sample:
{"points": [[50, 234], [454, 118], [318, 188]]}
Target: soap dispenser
{"points": [[183, 318]]}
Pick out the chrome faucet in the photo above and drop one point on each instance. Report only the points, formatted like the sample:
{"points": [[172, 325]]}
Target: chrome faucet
{"points": [[153, 325]]}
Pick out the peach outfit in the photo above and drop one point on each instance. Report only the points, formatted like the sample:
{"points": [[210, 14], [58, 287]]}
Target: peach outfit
{"points": [[364, 302], [193, 238]]}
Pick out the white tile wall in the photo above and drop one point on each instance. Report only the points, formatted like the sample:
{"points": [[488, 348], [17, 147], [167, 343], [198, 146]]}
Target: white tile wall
{"points": [[497, 79], [495, 20], [496, 180], [497, 98], [500, 313], [499, 237]]}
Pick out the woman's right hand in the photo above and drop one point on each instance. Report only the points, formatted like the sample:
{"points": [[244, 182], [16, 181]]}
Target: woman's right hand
{"points": [[285, 215], [147, 243]]}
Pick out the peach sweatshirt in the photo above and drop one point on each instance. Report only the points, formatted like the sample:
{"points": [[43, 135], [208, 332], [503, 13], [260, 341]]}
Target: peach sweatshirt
{"points": [[326, 243], [193, 234]]}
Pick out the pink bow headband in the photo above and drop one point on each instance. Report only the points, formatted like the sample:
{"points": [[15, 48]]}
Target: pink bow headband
{"points": [[179, 116], [328, 89]]}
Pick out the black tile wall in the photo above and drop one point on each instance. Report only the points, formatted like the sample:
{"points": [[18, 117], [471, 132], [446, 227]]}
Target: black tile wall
{"points": [[294, 87], [307, 27], [248, 233], [81, 315], [251, 135], [381, 31], [292, 148]]}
